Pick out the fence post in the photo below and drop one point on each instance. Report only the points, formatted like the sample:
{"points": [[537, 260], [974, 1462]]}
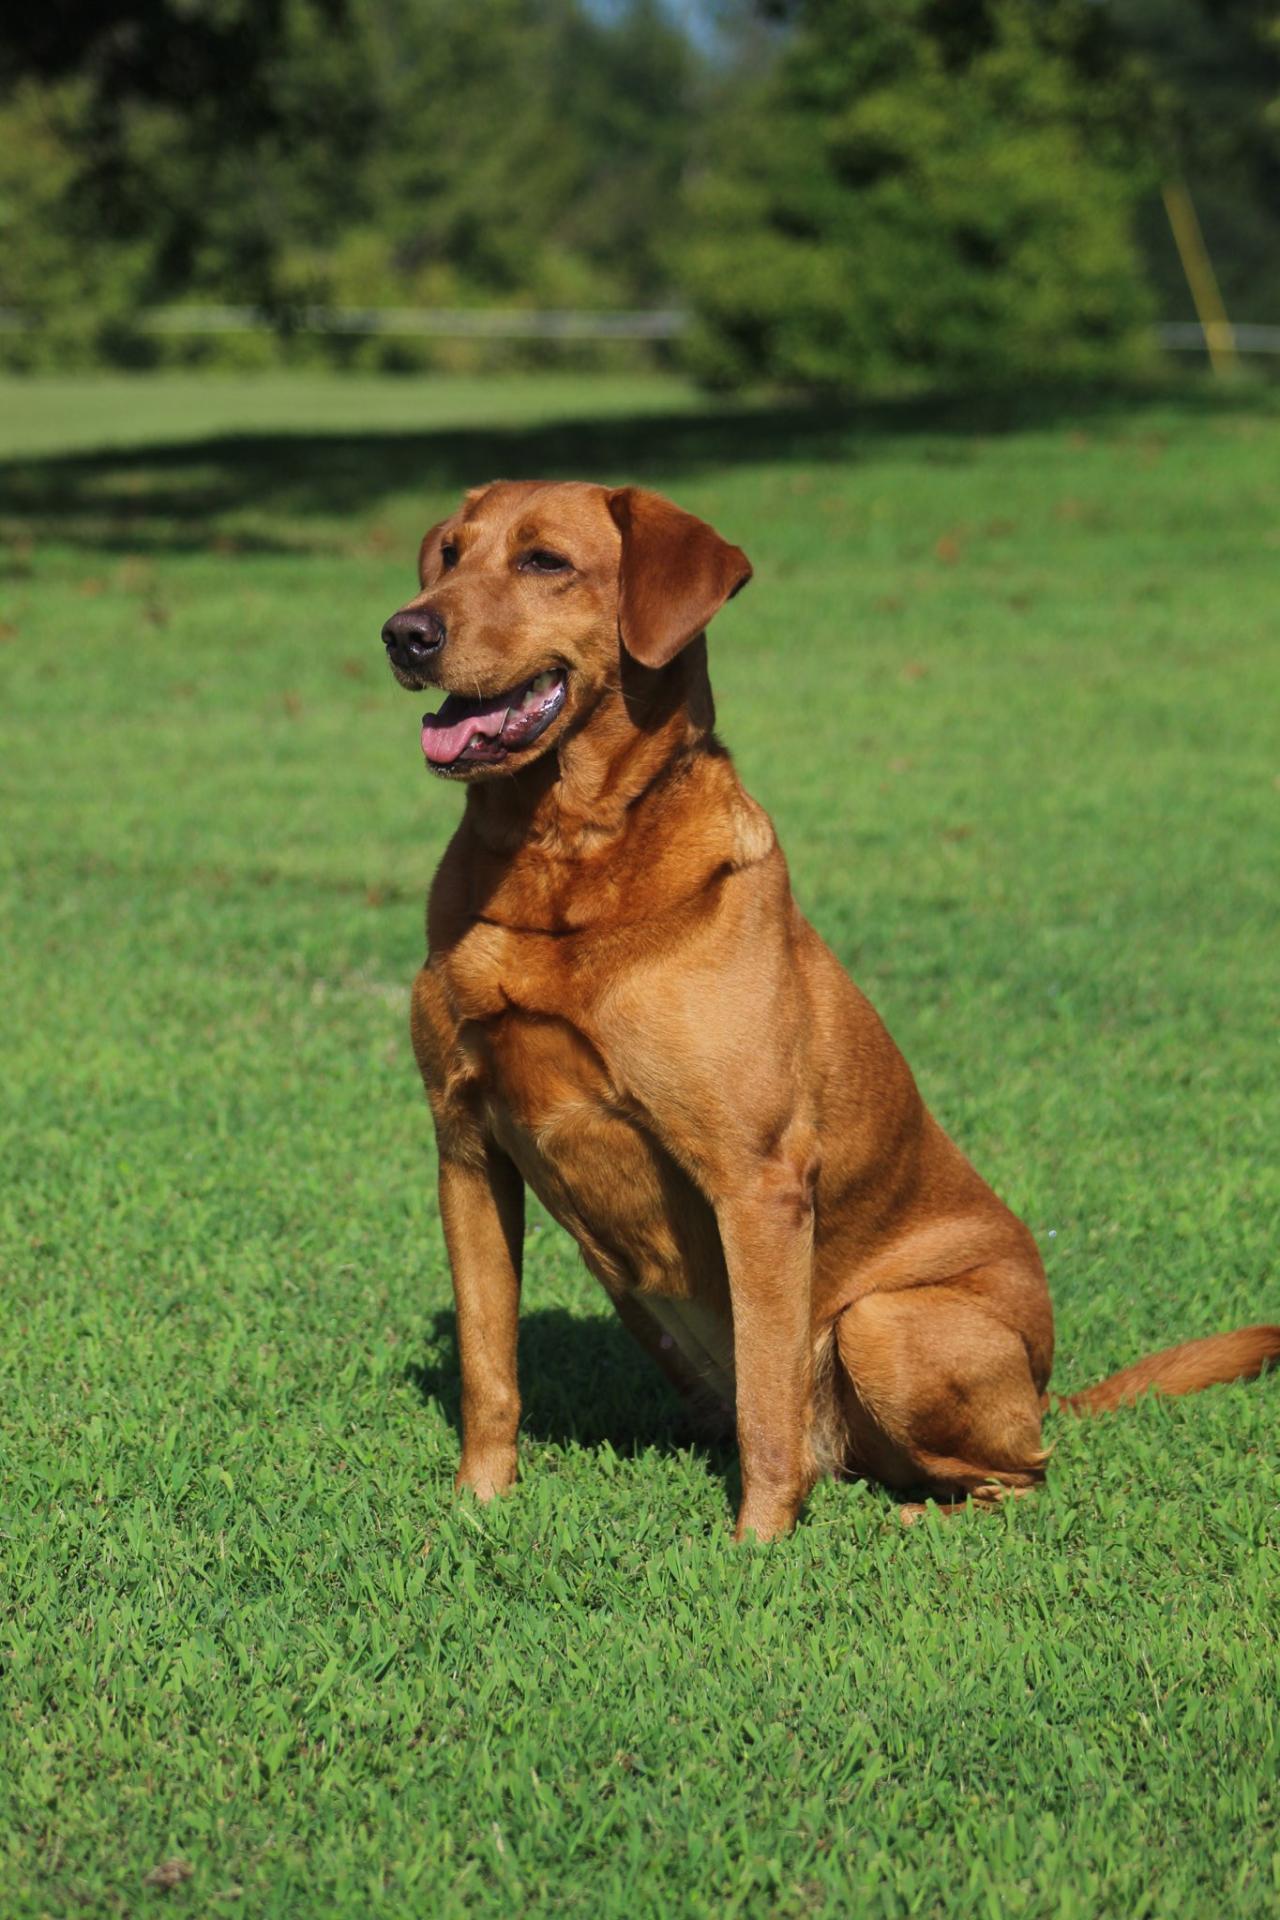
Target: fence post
{"points": [[1219, 334]]}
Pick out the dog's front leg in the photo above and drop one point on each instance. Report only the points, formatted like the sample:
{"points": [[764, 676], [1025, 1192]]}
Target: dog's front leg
{"points": [[767, 1232], [482, 1207]]}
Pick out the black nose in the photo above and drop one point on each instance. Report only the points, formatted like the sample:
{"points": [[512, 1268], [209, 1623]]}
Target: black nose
{"points": [[413, 635]]}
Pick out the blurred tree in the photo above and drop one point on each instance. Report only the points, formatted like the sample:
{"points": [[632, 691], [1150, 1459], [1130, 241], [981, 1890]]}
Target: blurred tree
{"points": [[195, 130], [849, 191], [1213, 73], [531, 149], [192, 141], [277, 152], [923, 192]]}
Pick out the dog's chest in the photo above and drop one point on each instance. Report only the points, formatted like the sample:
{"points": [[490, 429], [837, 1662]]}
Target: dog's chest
{"points": [[592, 1159], [553, 1100], [643, 1229]]}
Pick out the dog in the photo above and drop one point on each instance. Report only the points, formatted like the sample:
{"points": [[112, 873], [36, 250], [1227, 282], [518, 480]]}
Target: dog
{"points": [[623, 1008]]}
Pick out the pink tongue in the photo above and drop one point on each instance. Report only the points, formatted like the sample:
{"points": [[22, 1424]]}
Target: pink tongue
{"points": [[444, 740]]}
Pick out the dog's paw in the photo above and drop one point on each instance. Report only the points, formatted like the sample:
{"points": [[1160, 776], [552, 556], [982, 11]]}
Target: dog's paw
{"points": [[487, 1475]]}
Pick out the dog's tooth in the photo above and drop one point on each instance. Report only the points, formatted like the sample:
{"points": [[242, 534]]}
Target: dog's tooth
{"points": [[542, 682]]}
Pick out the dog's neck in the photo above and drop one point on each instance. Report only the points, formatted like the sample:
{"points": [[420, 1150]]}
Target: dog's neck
{"points": [[582, 794]]}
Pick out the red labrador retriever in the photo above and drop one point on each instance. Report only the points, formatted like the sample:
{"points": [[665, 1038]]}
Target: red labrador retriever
{"points": [[624, 1008]]}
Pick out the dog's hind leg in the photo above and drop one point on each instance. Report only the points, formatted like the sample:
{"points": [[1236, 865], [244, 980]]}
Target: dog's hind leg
{"points": [[941, 1393]]}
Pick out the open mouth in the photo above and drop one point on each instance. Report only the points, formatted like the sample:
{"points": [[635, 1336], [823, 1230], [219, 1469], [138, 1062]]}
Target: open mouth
{"points": [[484, 732]]}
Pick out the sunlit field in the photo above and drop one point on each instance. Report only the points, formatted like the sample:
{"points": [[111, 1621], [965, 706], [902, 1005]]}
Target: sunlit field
{"points": [[1007, 679]]}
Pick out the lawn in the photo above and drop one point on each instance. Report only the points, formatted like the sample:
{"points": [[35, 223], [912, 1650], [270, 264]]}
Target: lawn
{"points": [[1007, 678]]}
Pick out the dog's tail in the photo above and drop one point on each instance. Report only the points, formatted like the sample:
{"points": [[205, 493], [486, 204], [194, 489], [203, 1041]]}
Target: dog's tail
{"points": [[1211, 1362]]}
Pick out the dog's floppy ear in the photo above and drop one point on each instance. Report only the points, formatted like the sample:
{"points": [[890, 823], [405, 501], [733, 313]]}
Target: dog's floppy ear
{"points": [[675, 574]]}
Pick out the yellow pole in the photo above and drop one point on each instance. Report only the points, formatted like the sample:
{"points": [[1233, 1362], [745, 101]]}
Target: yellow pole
{"points": [[1219, 334]]}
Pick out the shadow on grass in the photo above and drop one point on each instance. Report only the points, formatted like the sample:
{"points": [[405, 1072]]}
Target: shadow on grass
{"points": [[258, 492], [583, 1382]]}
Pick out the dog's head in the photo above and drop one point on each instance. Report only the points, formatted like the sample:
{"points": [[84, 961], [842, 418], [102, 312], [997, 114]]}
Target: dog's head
{"points": [[535, 595]]}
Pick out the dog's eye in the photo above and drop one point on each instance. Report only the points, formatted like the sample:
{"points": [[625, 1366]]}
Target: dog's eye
{"points": [[449, 554], [542, 560]]}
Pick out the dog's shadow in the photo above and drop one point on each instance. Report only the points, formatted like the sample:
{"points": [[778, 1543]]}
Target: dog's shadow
{"points": [[583, 1382]]}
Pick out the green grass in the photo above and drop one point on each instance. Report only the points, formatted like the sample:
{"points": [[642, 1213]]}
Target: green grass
{"points": [[1008, 682]]}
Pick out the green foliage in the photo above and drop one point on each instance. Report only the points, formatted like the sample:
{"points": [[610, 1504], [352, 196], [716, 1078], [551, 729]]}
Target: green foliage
{"points": [[850, 194], [910, 198], [192, 146], [373, 152], [42, 272], [528, 149], [1007, 682], [1213, 82]]}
